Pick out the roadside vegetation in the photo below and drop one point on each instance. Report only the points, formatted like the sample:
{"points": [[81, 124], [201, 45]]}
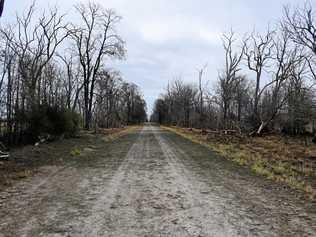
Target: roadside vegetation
{"points": [[56, 83], [55, 77], [260, 112], [283, 159]]}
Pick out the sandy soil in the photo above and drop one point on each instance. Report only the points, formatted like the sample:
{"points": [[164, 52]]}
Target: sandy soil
{"points": [[152, 183]]}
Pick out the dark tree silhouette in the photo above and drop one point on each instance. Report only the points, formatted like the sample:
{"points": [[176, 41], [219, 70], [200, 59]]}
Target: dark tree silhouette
{"points": [[1, 6]]}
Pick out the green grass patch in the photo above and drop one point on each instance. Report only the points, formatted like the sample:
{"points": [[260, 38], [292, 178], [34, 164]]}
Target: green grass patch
{"points": [[75, 152]]}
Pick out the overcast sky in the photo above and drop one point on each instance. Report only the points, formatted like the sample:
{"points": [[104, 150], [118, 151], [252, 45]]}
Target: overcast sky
{"points": [[167, 38]]}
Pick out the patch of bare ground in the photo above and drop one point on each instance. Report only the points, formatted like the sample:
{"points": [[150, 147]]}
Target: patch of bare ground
{"points": [[283, 159]]}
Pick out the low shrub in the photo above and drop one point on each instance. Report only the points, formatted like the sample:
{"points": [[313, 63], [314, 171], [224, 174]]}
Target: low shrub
{"points": [[54, 121]]}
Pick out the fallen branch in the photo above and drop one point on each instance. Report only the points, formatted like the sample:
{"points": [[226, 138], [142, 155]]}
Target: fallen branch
{"points": [[4, 155]]}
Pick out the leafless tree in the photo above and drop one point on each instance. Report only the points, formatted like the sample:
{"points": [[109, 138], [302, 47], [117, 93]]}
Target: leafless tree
{"points": [[299, 106], [258, 52], [229, 78], [96, 40], [36, 44], [201, 96], [52, 71], [286, 57], [274, 93], [72, 83], [300, 24]]}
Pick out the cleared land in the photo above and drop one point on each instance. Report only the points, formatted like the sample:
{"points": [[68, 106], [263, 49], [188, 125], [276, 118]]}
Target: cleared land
{"points": [[150, 182]]}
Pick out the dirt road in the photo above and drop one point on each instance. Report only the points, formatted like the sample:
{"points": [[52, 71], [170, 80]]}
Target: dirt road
{"points": [[152, 183]]}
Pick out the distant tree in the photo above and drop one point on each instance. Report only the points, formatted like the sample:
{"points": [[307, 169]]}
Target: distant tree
{"points": [[299, 101], [274, 91], [160, 113], [229, 78], [201, 97], [71, 83]]}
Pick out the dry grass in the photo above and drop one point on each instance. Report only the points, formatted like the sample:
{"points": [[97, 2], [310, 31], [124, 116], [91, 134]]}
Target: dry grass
{"points": [[285, 160], [115, 133]]}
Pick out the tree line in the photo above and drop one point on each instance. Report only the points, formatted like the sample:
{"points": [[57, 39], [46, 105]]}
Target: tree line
{"points": [[54, 76], [266, 83]]}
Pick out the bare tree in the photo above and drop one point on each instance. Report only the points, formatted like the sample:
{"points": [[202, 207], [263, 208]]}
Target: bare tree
{"points": [[229, 78], [201, 96], [177, 105], [278, 96], [43, 83], [300, 100], [242, 101], [286, 57], [95, 40], [35, 45], [301, 26], [72, 84], [258, 52]]}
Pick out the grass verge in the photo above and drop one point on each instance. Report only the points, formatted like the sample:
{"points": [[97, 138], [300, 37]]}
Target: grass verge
{"points": [[277, 159]]}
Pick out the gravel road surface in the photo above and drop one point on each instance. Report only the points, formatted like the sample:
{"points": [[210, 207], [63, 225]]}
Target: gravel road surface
{"points": [[152, 183]]}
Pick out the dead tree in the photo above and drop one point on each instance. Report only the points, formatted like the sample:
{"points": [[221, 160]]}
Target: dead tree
{"points": [[258, 52]]}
